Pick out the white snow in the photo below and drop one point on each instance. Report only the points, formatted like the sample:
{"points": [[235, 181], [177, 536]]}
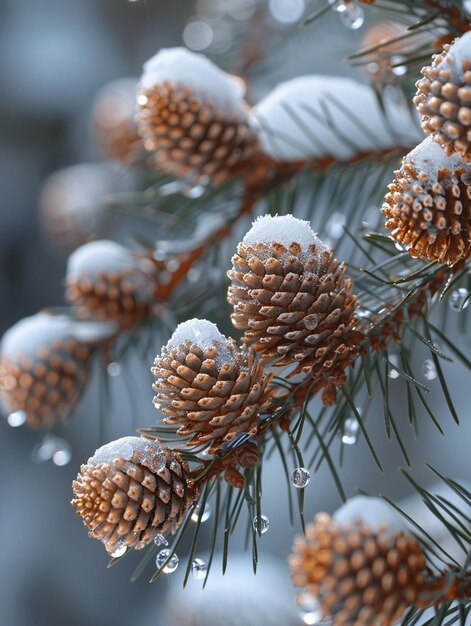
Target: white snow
{"points": [[429, 157], [180, 66], [316, 116], [204, 334], [373, 511], [459, 51], [42, 329], [100, 256], [284, 229], [125, 447]]}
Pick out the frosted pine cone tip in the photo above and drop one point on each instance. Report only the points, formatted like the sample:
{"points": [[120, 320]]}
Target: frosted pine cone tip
{"points": [[443, 98], [292, 300], [207, 387], [130, 490], [428, 207]]}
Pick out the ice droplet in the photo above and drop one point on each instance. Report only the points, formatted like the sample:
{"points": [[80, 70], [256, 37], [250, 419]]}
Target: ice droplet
{"points": [[198, 569], [429, 370], [17, 418], [261, 525], [459, 299], [120, 550], [160, 540], [300, 477], [351, 429], [205, 515], [162, 557]]}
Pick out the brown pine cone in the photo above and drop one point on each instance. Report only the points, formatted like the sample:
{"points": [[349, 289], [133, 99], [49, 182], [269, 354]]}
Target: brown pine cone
{"points": [[443, 98], [107, 281], [131, 490], [44, 367], [292, 300], [114, 120], [207, 387], [194, 117], [428, 207], [360, 573]]}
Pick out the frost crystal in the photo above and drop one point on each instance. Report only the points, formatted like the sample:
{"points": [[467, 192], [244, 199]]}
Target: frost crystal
{"points": [[205, 335], [149, 450], [179, 66], [299, 119], [429, 157], [284, 229], [373, 511]]}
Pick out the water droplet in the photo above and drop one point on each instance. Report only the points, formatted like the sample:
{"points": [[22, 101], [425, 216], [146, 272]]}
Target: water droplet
{"points": [[429, 370], [399, 246], [204, 517], [300, 477], [261, 526], [198, 569], [399, 68], [113, 369], [394, 360], [172, 564], [194, 192], [52, 447], [120, 550], [160, 540], [353, 16], [17, 418], [459, 299], [309, 609], [350, 432], [62, 456], [335, 224]]}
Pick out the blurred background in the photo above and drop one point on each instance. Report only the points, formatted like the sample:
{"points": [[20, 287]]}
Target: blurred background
{"points": [[54, 56]]}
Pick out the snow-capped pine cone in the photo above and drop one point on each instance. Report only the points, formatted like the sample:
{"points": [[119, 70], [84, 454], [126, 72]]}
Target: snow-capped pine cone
{"points": [[44, 367], [192, 115], [428, 207], [114, 120], [107, 281], [207, 387], [443, 98], [131, 490], [359, 575], [294, 303]]}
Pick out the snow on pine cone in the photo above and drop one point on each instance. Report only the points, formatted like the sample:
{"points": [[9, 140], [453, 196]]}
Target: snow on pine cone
{"points": [[107, 281], [44, 363], [443, 98], [194, 117], [362, 566], [114, 120], [207, 387], [428, 207], [292, 300], [130, 490]]}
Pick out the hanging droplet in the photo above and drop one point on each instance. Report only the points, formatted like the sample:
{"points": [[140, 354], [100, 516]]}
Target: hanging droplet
{"points": [[160, 540], [353, 16], [204, 517], [429, 370], [300, 477], [398, 69], [261, 526], [62, 454], [113, 369], [162, 557], [335, 225], [17, 418], [120, 550], [459, 300], [199, 569], [350, 432], [394, 360], [309, 609]]}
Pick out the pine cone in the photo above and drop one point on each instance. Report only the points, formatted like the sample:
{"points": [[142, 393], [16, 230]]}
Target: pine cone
{"points": [[360, 574], [71, 204], [207, 387], [109, 282], [44, 367], [428, 207], [131, 490], [443, 98], [293, 302], [193, 116], [114, 123]]}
